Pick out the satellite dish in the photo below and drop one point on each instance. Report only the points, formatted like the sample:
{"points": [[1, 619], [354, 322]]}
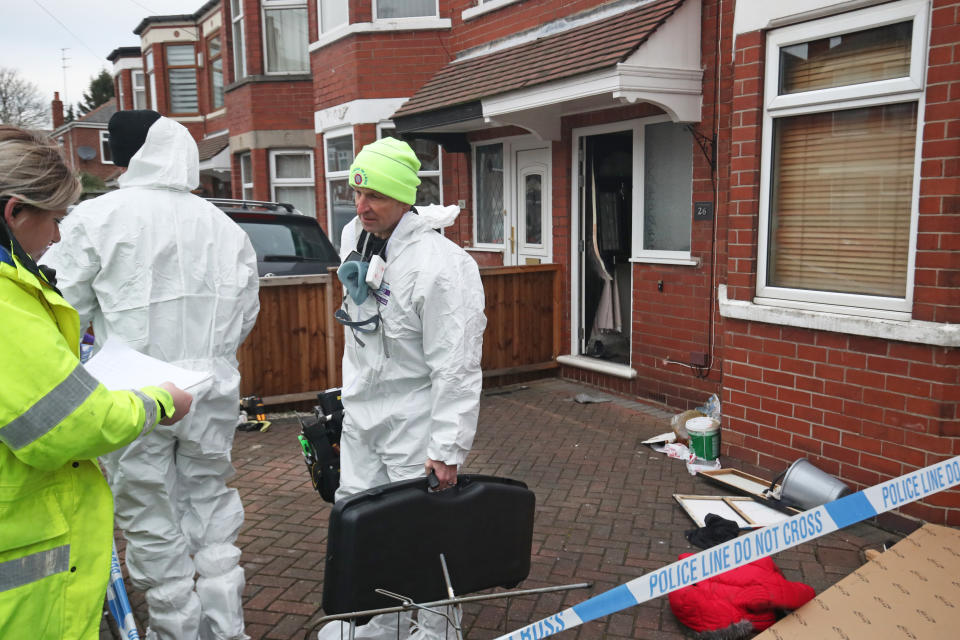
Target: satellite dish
{"points": [[86, 153]]}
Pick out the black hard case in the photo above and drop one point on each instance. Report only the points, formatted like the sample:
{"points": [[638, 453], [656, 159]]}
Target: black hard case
{"points": [[391, 537]]}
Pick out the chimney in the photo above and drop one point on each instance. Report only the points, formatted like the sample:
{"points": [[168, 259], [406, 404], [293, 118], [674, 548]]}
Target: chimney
{"points": [[56, 107]]}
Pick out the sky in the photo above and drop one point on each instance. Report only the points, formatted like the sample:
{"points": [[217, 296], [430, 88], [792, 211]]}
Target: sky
{"points": [[33, 34]]}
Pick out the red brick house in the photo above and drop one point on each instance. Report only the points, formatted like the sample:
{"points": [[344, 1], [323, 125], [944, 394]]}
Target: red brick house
{"points": [[753, 199], [84, 141]]}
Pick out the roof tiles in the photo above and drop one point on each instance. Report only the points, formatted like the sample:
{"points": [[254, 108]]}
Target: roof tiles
{"points": [[580, 50]]}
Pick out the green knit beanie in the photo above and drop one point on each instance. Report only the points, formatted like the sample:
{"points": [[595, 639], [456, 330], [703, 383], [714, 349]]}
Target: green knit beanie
{"points": [[388, 166]]}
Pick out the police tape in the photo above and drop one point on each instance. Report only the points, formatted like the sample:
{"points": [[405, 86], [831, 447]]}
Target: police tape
{"points": [[757, 544]]}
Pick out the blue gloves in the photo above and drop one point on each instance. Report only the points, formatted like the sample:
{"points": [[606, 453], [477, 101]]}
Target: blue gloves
{"points": [[353, 275]]}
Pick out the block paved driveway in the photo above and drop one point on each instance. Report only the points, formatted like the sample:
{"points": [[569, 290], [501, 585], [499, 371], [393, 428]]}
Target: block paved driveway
{"points": [[605, 514]]}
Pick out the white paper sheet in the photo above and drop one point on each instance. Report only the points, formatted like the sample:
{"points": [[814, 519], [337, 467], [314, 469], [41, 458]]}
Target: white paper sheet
{"points": [[118, 366]]}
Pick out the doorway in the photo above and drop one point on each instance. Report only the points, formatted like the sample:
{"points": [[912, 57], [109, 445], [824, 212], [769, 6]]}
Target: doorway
{"points": [[529, 231], [606, 183]]}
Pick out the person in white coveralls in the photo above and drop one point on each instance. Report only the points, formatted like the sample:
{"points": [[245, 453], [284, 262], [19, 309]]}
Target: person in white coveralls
{"points": [[170, 275], [411, 362]]}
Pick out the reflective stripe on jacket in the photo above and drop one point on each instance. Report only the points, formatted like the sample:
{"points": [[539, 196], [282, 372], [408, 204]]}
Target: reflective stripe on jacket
{"points": [[56, 511]]}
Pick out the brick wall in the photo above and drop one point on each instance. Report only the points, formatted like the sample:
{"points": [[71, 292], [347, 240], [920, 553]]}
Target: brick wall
{"points": [[269, 106], [863, 409], [367, 66], [82, 136]]}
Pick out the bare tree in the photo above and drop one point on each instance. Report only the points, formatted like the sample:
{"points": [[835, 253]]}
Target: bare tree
{"points": [[21, 103]]}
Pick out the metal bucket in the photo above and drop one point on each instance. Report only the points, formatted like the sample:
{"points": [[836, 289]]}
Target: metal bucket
{"points": [[805, 486]]}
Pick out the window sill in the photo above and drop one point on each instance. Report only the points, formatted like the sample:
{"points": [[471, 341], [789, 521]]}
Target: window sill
{"points": [[380, 26], [600, 366], [685, 262], [287, 77], [485, 7], [916, 331]]}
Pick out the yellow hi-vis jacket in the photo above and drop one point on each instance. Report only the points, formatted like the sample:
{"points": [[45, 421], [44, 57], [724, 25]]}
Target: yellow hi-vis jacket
{"points": [[56, 510]]}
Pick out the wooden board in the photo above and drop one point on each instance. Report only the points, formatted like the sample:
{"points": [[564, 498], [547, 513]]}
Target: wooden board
{"points": [[697, 507], [745, 511]]}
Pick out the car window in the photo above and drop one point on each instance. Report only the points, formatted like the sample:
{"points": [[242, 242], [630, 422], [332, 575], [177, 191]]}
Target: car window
{"points": [[304, 241]]}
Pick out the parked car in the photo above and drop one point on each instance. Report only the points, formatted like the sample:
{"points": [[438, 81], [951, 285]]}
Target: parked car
{"points": [[287, 242]]}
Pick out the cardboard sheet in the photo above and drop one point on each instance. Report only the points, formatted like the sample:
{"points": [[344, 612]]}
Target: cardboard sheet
{"points": [[912, 590]]}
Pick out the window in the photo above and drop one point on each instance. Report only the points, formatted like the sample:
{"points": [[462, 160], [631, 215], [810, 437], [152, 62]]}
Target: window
{"points": [[332, 14], [429, 191], [153, 80], [838, 201], [387, 9], [182, 76], [216, 72], [338, 150], [291, 180], [246, 177], [105, 156], [139, 90], [489, 196], [285, 36], [239, 58], [120, 92], [667, 191]]}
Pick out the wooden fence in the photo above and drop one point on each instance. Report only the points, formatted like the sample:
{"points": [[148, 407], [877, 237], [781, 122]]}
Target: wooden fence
{"points": [[295, 348]]}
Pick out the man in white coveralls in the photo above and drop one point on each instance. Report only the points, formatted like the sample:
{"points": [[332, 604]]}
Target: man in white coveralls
{"points": [[411, 362]]}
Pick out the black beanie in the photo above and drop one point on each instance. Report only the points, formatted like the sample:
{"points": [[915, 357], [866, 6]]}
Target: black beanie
{"points": [[128, 132]]}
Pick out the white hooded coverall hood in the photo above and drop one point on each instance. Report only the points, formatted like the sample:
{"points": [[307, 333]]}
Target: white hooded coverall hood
{"points": [[172, 276]]}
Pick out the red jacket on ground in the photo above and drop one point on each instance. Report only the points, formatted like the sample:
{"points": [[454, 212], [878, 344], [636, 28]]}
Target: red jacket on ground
{"points": [[752, 592]]}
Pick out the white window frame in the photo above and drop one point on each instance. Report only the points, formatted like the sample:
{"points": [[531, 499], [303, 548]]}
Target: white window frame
{"points": [[104, 144], [866, 94], [638, 129], [239, 43], [268, 5], [139, 89], [120, 90], [329, 176], [170, 68], [436, 13], [290, 182], [507, 189], [485, 6], [438, 173], [211, 60], [152, 78], [246, 182], [638, 204], [321, 29]]}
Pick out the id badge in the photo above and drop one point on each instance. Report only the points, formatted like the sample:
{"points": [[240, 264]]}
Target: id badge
{"points": [[375, 272]]}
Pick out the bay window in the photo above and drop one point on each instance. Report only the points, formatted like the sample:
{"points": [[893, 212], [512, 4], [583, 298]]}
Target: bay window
{"points": [[215, 57], [182, 78], [285, 36], [239, 55]]}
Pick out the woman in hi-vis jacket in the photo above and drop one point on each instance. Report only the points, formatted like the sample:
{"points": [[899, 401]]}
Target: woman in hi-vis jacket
{"points": [[56, 510]]}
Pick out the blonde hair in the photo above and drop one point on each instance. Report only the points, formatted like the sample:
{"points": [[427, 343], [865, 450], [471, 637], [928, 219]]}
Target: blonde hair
{"points": [[34, 171]]}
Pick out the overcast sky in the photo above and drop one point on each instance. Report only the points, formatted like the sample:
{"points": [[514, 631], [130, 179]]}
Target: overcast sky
{"points": [[33, 32]]}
